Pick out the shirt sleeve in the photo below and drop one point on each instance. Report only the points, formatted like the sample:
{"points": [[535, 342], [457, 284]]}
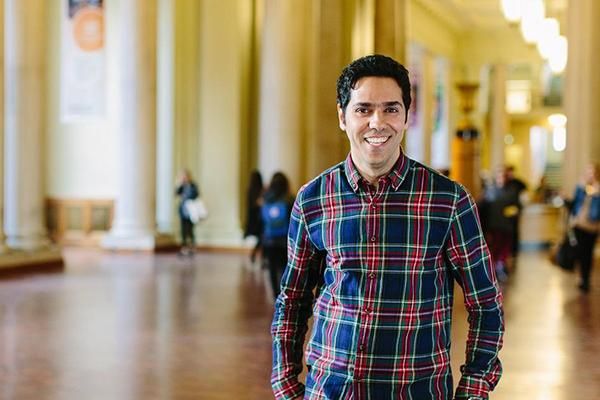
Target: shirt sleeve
{"points": [[472, 268], [293, 308]]}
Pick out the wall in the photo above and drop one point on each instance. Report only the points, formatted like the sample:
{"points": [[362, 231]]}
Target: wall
{"points": [[80, 157]]}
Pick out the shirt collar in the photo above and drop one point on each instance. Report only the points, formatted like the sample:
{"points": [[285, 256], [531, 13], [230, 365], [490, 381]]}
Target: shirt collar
{"points": [[396, 175]]}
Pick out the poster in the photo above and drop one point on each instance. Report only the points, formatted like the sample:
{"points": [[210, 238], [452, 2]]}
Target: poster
{"points": [[83, 61]]}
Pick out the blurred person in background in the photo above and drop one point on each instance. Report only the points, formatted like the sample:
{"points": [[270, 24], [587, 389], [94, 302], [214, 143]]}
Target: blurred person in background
{"points": [[275, 212], [519, 187], [186, 190], [585, 221], [499, 208], [254, 225]]}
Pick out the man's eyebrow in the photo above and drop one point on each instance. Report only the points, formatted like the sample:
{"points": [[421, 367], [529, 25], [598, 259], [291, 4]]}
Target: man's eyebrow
{"points": [[385, 104]]}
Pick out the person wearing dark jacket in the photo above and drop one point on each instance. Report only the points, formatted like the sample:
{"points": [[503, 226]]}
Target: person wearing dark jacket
{"points": [[186, 190], [517, 186], [499, 209], [254, 225], [585, 221]]}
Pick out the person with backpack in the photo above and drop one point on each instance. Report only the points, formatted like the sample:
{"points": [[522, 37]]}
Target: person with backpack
{"points": [[275, 213]]}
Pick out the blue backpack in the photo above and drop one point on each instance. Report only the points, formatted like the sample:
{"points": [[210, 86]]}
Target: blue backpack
{"points": [[276, 218]]}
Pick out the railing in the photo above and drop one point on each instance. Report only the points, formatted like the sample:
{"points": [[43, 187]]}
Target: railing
{"points": [[78, 221]]}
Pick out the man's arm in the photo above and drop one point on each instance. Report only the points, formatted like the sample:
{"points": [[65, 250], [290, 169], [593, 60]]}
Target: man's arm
{"points": [[293, 308], [472, 267]]}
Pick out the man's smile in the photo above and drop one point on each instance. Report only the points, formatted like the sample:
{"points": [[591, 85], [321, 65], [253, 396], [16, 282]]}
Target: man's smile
{"points": [[377, 140]]}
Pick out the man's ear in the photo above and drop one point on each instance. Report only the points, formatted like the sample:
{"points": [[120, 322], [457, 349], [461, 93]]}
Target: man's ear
{"points": [[341, 118]]}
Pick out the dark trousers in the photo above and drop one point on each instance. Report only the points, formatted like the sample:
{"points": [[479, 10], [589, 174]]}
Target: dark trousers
{"points": [[276, 260], [187, 233], [585, 254], [500, 244]]}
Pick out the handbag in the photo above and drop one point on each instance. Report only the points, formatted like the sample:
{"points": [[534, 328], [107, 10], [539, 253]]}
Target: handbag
{"points": [[196, 209], [566, 253]]}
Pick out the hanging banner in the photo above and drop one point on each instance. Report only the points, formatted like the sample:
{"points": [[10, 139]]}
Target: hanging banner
{"points": [[83, 61]]}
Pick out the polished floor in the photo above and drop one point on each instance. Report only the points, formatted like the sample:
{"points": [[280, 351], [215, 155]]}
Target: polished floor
{"points": [[142, 326]]}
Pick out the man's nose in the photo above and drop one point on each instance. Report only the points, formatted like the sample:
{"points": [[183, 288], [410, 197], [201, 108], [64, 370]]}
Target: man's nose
{"points": [[377, 121]]}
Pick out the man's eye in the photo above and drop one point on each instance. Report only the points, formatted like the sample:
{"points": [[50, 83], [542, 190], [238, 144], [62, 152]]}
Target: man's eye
{"points": [[392, 110], [361, 110]]}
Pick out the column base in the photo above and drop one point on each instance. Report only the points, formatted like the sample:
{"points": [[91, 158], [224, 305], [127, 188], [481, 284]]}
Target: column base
{"points": [[212, 236], [39, 258], [129, 241], [166, 242], [27, 243]]}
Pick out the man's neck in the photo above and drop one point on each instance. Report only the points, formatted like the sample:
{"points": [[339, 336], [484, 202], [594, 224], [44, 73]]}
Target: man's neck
{"points": [[372, 173]]}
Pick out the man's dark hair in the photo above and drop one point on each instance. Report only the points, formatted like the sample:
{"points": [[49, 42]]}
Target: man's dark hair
{"points": [[373, 65]]}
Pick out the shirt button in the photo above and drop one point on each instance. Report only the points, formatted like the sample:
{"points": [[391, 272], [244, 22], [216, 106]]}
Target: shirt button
{"points": [[372, 275], [367, 310], [361, 348], [373, 238]]}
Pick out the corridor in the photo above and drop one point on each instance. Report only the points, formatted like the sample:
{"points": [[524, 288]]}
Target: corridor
{"points": [[124, 326]]}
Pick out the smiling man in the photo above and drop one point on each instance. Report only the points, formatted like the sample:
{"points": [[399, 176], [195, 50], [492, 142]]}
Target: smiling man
{"points": [[374, 248]]}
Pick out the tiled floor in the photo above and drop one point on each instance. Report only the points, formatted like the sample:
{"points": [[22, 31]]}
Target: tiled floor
{"points": [[141, 326]]}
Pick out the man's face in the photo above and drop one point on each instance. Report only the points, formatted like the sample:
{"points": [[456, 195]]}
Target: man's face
{"points": [[374, 121]]}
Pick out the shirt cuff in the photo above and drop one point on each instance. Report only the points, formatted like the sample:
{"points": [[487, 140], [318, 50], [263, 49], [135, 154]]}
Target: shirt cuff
{"points": [[472, 388], [290, 392]]}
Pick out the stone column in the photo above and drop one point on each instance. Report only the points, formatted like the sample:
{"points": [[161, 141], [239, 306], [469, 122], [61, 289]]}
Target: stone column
{"points": [[134, 221], [222, 101], [582, 90], [2, 236], [25, 44], [282, 89], [499, 118], [165, 204], [390, 28], [330, 41]]}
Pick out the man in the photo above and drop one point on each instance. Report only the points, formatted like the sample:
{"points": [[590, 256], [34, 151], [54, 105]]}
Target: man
{"points": [[377, 242]]}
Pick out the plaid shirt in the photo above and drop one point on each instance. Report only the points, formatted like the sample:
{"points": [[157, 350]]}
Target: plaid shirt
{"points": [[383, 263]]}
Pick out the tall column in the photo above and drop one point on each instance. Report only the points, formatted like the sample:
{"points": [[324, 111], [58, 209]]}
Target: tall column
{"points": [[282, 95], [379, 26], [134, 221], [2, 236], [25, 44], [582, 90], [222, 101], [390, 28], [331, 45], [499, 120], [165, 136]]}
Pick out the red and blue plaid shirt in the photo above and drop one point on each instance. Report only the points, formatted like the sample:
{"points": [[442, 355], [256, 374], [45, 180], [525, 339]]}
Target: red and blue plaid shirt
{"points": [[376, 269]]}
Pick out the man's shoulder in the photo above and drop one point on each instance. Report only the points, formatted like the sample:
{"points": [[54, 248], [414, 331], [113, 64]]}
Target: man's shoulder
{"points": [[318, 185], [438, 181]]}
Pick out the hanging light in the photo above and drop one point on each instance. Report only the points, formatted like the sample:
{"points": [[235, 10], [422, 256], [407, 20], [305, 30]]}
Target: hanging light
{"points": [[549, 32], [511, 10], [558, 55], [556, 120], [559, 138], [531, 20], [559, 131]]}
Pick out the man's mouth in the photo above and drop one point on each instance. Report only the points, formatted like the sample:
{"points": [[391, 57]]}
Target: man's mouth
{"points": [[377, 140]]}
